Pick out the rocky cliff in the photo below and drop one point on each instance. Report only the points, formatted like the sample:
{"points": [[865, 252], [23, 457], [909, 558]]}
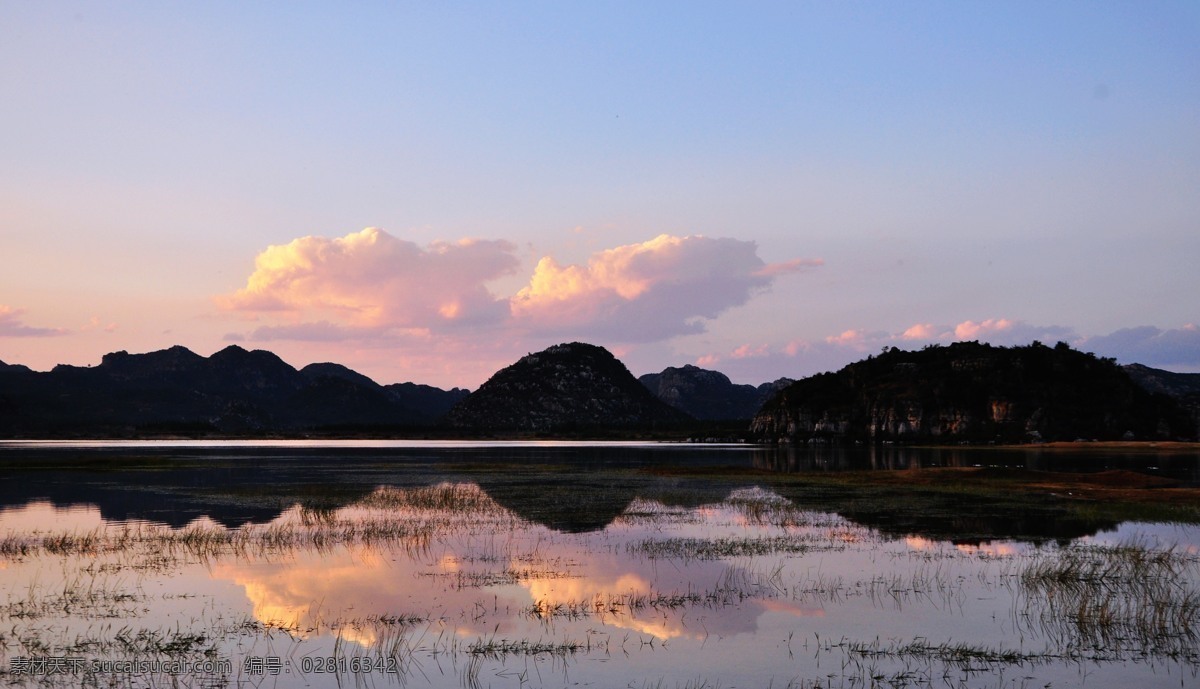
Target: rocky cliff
{"points": [[709, 395], [565, 388], [972, 392]]}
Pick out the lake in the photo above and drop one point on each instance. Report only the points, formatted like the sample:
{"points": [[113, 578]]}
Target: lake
{"points": [[517, 564]]}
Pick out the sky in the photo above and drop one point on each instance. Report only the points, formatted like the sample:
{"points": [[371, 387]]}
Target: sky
{"points": [[428, 191]]}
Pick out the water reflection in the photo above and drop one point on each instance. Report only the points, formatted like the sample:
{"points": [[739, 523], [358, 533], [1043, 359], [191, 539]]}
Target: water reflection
{"points": [[568, 489], [459, 588], [519, 583], [1181, 466]]}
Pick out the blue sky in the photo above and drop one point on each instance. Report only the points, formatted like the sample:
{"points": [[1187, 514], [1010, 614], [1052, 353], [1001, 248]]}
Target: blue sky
{"points": [[858, 171]]}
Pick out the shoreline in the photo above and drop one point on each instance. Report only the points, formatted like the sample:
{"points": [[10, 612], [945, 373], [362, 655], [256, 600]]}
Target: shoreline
{"points": [[1123, 446]]}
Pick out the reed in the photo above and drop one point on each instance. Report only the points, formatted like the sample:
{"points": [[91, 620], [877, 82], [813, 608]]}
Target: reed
{"points": [[1125, 598]]}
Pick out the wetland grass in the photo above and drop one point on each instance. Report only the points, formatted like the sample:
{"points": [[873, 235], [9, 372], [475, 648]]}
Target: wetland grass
{"points": [[727, 547], [1127, 599], [759, 553], [405, 518]]}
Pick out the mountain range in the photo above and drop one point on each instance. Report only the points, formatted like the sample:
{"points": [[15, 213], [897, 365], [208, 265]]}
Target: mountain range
{"points": [[965, 391], [234, 391]]}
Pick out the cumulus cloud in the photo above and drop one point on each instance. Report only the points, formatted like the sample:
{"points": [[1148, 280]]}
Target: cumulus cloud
{"points": [[375, 290], [12, 325], [372, 279], [919, 331], [968, 330], [1150, 345], [644, 292]]}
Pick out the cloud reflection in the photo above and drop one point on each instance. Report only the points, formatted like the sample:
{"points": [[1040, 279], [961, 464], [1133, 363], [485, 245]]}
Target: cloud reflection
{"points": [[462, 581]]}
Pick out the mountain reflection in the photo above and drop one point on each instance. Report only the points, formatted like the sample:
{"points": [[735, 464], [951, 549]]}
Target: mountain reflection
{"points": [[566, 490], [456, 585]]}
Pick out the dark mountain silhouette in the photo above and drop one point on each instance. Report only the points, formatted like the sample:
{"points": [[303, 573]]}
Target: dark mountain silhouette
{"points": [[337, 371], [973, 392], [1183, 387], [709, 395], [966, 391], [14, 368], [565, 388], [234, 391], [424, 403], [432, 402]]}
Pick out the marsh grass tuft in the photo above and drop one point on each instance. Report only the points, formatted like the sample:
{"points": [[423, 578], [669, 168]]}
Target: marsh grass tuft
{"points": [[728, 547], [405, 518], [1127, 599], [499, 648]]}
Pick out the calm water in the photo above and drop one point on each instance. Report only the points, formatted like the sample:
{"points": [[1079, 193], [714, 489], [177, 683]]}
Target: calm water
{"points": [[564, 564]]}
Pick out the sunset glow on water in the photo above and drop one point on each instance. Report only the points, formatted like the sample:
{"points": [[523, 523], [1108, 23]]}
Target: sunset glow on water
{"points": [[442, 585]]}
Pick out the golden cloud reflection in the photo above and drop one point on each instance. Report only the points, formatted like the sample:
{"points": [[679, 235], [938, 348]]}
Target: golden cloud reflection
{"points": [[462, 583], [921, 544], [988, 549], [295, 594]]}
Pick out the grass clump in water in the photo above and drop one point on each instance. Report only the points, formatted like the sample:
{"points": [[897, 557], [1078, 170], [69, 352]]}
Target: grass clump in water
{"points": [[1128, 599]]}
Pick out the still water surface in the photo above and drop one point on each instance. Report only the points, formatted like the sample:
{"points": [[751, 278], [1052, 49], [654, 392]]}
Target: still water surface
{"points": [[513, 564]]}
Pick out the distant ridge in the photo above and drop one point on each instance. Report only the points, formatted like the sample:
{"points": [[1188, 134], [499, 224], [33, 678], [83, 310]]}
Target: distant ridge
{"points": [[976, 392], [232, 392], [709, 395], [564, 388]]}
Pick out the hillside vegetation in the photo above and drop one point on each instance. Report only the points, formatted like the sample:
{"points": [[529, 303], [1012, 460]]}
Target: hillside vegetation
{"points": [[972, 392]]}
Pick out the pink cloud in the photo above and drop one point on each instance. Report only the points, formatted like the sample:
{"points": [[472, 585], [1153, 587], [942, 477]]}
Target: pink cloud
{"points": [[855, 339], [372, 279], [846, 337], [12, 325], [428, 305], [795, 347], [1002, 331], [747, 351], [620, 351], [1007, 332], [969, 330], [664, 287], [795, 265], [920, 331]]}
